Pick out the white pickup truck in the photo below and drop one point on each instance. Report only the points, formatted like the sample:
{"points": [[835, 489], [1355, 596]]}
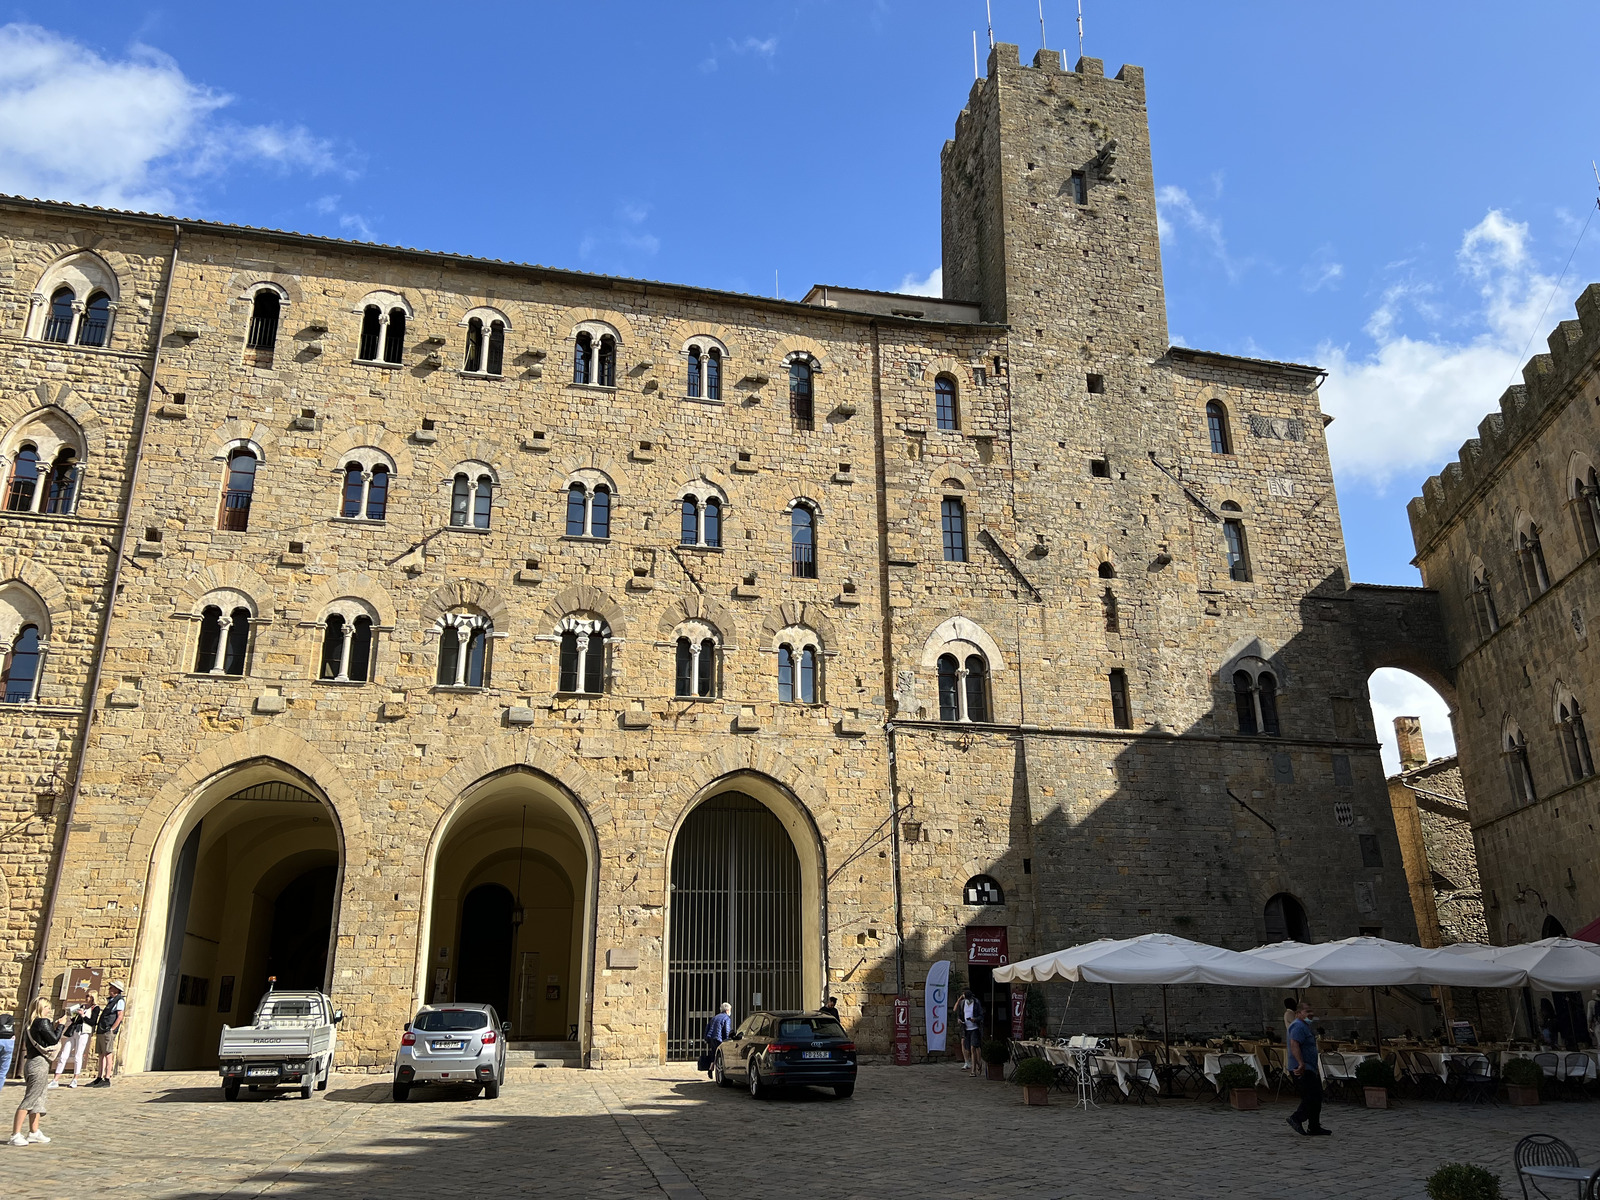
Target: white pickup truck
{"points": [[290, 1041]]}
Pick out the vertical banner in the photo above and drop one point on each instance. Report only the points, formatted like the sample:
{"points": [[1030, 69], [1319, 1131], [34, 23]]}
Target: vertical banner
{"points": [[1019, 1006], [902, 1031], [937, 999]]}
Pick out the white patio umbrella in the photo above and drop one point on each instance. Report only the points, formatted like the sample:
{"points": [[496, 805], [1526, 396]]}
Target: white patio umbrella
{"points": [[1554, 964]]}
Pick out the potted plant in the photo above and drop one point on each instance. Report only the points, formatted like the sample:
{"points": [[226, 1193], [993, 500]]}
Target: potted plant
{"points": [[1464, 1181], [1522, 1077], [996, 1053], [1376, 1077], [1239, 1081], [1036, 1076]]}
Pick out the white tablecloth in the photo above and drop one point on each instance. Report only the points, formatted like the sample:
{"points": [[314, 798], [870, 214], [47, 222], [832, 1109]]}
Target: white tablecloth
{"points": [[1352, 1060], [1213, 1066], [1125, 1071]]}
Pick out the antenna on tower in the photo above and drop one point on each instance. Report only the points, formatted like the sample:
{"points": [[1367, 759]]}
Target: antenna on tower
{"points": [[1080, 28], [975, 74], [1043, 45], [988, 9]]}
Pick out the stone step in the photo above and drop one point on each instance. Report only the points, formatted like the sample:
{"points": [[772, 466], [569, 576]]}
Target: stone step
{"points": [[534, 1055]]}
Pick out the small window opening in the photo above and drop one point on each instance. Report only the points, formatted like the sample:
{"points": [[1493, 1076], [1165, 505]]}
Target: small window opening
{"points": [[1097, 385]]}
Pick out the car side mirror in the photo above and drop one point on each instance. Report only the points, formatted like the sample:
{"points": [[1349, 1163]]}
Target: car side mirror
{"points": [[338, 1015]]}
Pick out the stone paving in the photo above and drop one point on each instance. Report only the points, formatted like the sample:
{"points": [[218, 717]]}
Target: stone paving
{"points": [[908, 1132]]}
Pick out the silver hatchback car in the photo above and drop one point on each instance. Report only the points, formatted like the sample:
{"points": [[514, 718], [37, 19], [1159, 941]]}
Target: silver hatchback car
{"points": [[452, 1043]]}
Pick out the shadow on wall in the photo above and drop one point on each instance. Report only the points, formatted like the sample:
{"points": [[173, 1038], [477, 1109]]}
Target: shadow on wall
{"points": [[1274, 800]]}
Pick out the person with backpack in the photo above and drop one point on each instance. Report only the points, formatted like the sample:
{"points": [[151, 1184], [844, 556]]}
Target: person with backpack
{"points": [[41, 1038], [75, 1040]]}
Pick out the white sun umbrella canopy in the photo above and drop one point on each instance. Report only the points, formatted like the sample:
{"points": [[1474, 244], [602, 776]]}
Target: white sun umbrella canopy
{"points": [[1153, 958], [1378, 962], [1553, 964]]}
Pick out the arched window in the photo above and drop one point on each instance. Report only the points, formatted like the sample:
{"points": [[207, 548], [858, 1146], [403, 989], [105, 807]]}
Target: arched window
{"points": [[1285, 920], [695, 371], [1586, 507], [1482, 598], [963, 688], [713, 374], [803, 541], [689, 526], [588, 510], [582, 358], [1574, 738], [22, 666], [264, 310], [577, 510], [486, 346], [1107, 571], [24, 480], [1238, 550], [471, 500], [355, 487], [224, 642], [797, 671], [982, 891], [953, 523], [1519, 772], [713, 521], [977, 691], [474, 359], [700, 519], [1530, 554], [347, 648], [240, 487], [371, 333], [1217, 427], [801, 407], [582, 665], [96, 320], [944, 403], [949, 688], [378, 493], [1255, 694], [383, 332], [606, 361], [394, 337], [696, 673], [63, 311], [364, 487], [62, 483], [463, 650]]}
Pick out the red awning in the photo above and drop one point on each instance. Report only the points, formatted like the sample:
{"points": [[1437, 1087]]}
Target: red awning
{"points": [[1590, 932]]}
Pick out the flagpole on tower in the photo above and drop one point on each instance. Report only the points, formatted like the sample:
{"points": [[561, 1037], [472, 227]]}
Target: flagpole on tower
{"points": [[1080, 28], [1043, 45], [975, 74], [988, 9]]}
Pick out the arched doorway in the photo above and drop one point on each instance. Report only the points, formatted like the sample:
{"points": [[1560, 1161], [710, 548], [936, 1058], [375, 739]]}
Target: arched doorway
{"points": [[511, 908], [252, 892], [738, 920], [1285, 920]]}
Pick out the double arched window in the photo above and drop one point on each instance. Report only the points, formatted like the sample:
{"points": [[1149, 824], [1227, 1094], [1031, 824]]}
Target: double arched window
{"points": [[582, 661], [1574, 737], [471, 497], [383, 334], [348, 644], [1255, 696], [588, 509], [946, 415], [1530, 557], [1481, 595], [799, 666], [802, 398], [486, 343], [700, 519], [594, 358], [1519, 771], [1217, 428], [1585, 502], [24, 634], [35, 487], [696, 673], [364, 493], [963, 686], [74, 301], [223, 645], [238, 490], [74, 324], [464, 650], [705, 371], [803, 541]]}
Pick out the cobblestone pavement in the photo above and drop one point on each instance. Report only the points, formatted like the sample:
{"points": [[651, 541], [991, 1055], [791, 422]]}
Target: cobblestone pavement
{"points": [[908, 1132]]}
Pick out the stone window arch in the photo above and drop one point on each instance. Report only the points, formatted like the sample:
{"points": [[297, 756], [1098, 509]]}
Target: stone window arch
{"points": [[267, 304], [1529, 545], [697, 660], [43, 453], [222, 640], [485, 348], [804, 518], [594, 354], [384, 318], [24, 641], [243, 458], [583, 658], [983, 891], [803, 368], [706, 361], [1519, 771], [472, 488], [1480, 593], [591, 497], [946, 402], [800, 658], [1583, 498], [1256, 688], [1574, 735], [349, 642], [365, 481], [75, 302], [465, 658], [1218, 431], [702, 512]]}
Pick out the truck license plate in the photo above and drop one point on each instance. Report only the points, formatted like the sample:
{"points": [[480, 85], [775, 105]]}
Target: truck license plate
{"points": [[447, 1045]]}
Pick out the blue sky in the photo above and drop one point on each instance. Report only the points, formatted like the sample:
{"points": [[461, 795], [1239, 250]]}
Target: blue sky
{"points": [[1389, 190]]}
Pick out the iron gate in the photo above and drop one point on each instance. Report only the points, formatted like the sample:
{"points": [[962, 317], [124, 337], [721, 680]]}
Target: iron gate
{"points": [[735, 919]]}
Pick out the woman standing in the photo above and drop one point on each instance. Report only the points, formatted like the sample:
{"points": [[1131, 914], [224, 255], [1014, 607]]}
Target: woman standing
{"points": [[41, 1036], [75, 1040]]}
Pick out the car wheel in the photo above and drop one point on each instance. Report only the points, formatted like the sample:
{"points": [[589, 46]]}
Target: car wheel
{"points": [[843, 1091], [401, 1092], [720, 1075], [305, 1089], [491, 1090], [758, 1090], [230, 1089], [327, 1070]]}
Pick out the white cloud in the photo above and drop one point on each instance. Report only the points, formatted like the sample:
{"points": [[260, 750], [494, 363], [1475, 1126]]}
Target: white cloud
{"points": [[931, 285], [1400, 694], [1409, 403], [130, 133], [627, 232], [762, 47], [1176, 210]]}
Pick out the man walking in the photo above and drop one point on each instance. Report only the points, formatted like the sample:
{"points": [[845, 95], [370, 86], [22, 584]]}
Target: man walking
{"points": [[718, 1031], [1307, 1119], [105, 1042], [969, 1010]]}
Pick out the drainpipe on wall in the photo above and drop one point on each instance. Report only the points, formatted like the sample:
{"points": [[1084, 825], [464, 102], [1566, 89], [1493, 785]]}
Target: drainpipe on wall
{"points": [[91, 707]]}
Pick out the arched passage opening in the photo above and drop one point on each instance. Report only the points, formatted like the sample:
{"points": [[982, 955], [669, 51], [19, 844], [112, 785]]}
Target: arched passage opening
{"points": [[746, 922], [511, 910], [251, 887]]}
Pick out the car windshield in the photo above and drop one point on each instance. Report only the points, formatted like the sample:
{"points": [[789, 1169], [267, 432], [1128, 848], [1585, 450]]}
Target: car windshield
{"points": [[814, 1028], [451, 1020]]}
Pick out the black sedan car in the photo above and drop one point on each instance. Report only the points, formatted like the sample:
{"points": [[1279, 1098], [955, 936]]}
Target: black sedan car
{"points": [[788, 1049]]}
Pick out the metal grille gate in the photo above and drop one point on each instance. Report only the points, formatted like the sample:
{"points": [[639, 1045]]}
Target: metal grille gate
{"points": [[735, 919]]}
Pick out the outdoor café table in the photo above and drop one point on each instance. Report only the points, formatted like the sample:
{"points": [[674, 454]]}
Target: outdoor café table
{"points": [[1213, 1065], [1561, 1060], [1124, 1071], [1436, 1061], [1583, 1176], [1352, 1060]]}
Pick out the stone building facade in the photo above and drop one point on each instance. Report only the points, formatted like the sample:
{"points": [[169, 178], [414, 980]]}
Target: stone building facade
{"points": [[1435, 829], [1507, 536], [468, 640]]}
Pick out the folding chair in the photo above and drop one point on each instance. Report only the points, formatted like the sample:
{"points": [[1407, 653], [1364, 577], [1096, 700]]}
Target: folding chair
{"points": [[1550, 1064], [1146, 1078], [1575, 1067], [1543, 1159], [1478, 1083]]}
